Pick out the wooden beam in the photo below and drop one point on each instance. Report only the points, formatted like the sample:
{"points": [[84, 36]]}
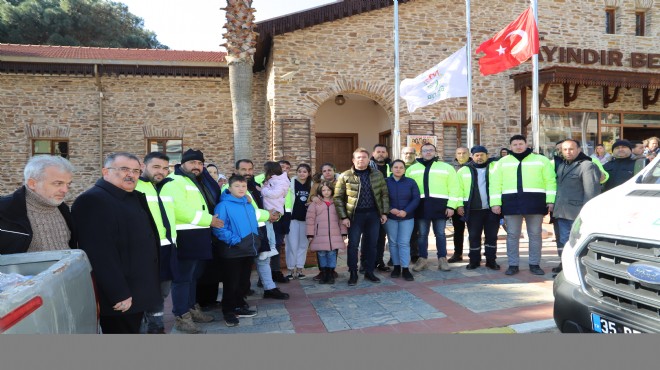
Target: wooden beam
{"points": [[568, 97], [607, 99], [646, 98]]}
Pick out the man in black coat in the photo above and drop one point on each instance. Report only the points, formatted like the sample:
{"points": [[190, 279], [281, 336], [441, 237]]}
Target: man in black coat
{"points": [[622, 167], [35, 218], [121, 240]]}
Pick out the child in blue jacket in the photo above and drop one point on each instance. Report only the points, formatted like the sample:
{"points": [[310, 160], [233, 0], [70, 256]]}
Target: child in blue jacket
{"points": [[240, 237]]}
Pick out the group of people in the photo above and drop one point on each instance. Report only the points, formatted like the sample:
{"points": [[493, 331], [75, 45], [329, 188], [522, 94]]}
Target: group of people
{"points": [[150, 232]]}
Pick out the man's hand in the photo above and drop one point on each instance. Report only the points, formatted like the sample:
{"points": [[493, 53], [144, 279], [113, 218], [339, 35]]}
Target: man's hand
{"points": [[217, 223], [461, 211], [317, 200], [346, 222], [496, 209], [449, 212], [551, 206], [383, 219], [124, 305]]}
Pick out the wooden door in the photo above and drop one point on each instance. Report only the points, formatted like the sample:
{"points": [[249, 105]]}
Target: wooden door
{"points": [[336, 149]]}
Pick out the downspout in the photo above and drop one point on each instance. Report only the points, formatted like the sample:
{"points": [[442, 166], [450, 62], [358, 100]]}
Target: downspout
{"points": [[99, 88]]}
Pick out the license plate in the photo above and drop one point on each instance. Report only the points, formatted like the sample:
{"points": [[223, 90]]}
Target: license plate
{"points": [[603, 325]]}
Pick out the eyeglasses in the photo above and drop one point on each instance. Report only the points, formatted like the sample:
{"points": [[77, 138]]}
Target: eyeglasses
{"points": [[126, 170], [428, 150]]}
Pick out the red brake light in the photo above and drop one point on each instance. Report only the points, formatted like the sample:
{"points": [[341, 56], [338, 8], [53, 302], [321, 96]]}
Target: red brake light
{"points": [[20, 313]]}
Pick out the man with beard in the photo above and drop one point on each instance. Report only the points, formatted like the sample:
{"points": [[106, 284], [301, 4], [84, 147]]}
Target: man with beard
{"points": [[475, 211], [523, 185], [245, 168], [194, 194], [120, 238], [441, 195], [622, 167], [155, 169], [578, 181], [34, 218], [379, 161]]}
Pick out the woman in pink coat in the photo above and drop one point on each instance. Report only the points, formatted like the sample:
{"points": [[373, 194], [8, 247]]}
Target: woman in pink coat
{"points": [[325, 232]]}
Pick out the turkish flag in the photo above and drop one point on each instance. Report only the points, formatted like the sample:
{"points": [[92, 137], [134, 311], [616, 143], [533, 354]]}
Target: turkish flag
{"points": [[516, 43]]}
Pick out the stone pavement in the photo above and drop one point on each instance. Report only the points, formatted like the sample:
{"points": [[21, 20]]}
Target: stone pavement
{"points": [[459, 300]]}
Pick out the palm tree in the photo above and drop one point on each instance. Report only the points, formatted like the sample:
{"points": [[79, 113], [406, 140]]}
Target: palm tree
{"points": [[241, 41]]}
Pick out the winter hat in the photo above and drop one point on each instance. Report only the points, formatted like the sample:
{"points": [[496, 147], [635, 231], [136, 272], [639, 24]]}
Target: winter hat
{"points": [[622, 143], [479, 149], [192, 155]]}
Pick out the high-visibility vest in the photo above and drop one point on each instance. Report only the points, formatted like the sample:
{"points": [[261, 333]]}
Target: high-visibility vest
{"points": [[443, 182], [152, 195], [190, 207]]}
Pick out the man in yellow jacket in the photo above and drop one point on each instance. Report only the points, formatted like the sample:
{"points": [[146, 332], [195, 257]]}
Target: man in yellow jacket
{"points": [[523, 185]]}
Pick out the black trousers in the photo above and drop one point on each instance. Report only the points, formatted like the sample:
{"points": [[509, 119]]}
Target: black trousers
{"points": [[208, 283], [126, 323], [459, 233], [414, 247], [486, 222], [235, 282], [380, 247]]}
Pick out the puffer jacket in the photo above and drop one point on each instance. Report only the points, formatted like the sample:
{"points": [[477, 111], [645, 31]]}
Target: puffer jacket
{"points": [[347, 192], [324, 225]]}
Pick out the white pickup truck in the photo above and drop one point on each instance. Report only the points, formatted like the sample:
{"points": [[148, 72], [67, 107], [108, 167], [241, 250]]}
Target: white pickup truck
{"points": [[57, 295]]}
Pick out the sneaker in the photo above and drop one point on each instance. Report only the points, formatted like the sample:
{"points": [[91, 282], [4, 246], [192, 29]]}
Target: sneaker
{"points": [[443, 265], [230, 319], [396, 272], [271, 253], [407, 276], [263, 256], [421, 264], [491, 264], [455, 258], [512, 270], [275, 293], [536, 270], [244, 312], [279, 277], [198, 315], [291, 275], [185, 324], [381, 266], [557, 269], [300, 274]]}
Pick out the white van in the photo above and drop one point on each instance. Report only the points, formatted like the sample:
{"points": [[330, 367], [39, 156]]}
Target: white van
{"points": [[610, 281]]}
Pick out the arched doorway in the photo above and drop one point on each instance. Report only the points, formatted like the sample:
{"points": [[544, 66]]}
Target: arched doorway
{"points": [[348, 121]]}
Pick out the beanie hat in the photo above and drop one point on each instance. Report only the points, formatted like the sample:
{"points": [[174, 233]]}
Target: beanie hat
{"points": [[192, 155], [622, 143], [479, 149]]}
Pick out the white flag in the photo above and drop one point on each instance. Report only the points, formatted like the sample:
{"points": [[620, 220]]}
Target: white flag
{"points": [[446, 80]]}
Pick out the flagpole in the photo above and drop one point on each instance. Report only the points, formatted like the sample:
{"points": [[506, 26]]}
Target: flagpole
{"points": [[396, 137], [536, 135], [468, 54]]}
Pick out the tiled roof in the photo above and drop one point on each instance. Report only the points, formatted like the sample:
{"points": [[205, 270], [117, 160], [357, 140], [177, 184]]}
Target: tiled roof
{"points": [[89, 53]]}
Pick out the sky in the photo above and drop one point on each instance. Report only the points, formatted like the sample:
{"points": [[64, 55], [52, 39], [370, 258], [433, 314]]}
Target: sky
{"points": [[197, 24]]}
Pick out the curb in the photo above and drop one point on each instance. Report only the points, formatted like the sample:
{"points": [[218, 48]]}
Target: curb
{"points": [[526, 327]]}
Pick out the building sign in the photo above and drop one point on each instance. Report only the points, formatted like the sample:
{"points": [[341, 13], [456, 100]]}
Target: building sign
{"points": [[562, 54], [416, 141]]}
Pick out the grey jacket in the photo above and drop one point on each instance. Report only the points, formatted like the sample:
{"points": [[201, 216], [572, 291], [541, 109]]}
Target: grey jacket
{"points": [[577, 183]]}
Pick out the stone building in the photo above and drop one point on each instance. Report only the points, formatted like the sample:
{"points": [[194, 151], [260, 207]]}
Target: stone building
{"points": [[324, 84]]}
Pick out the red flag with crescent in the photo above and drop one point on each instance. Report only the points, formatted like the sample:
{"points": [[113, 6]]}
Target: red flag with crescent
{"points": [[516, 43]]}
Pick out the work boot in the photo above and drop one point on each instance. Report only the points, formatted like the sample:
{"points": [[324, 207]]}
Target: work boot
{"points": [[318, 276], [472, 265], [396, 272], [185, 324], [420, 265], [491, 264], [443, 264], [352, 280], [512, 270], [279, 277], [371, 277], [198, 315], [455, 258], [536, 270], [407, 276]]}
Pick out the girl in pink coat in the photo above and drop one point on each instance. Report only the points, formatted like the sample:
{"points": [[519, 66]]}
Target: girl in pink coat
{"points": [[325, 232]]}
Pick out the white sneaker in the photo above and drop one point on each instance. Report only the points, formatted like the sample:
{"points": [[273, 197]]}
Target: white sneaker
{"points": [[443, 265], [420, 265], [272, 252], [263, 255]]}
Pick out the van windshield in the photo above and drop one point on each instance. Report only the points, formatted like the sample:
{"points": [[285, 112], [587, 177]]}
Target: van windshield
{"points": [[653, 175]]}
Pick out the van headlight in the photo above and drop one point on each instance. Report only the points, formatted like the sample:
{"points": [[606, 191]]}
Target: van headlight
{"points": [[569, 258]]}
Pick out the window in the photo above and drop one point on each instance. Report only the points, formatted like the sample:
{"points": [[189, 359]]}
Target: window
{"points": [[640, 24], [455, 135], [173, 148], [51, 146], [560, 125], [610, 21]]}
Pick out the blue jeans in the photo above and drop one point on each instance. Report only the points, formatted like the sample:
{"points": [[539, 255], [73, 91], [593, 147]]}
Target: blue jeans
{"points": [[398, 235], [184, 285], [327, 259], [365, 224], [564, 227], [424, 226]]}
